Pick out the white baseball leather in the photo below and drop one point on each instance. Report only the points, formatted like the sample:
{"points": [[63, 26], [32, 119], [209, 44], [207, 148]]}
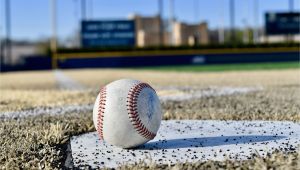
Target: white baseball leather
{"points": [[127, 113]]}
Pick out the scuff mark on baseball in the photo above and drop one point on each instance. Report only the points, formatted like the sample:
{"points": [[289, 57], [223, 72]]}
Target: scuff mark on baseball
{"points": [[127, 113]]}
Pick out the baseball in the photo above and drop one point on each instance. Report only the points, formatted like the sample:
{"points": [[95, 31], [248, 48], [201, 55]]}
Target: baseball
{"points": [[127, 113]]}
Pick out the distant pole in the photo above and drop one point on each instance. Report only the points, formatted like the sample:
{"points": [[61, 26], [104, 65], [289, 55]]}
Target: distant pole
{"points": [[76, 13], [77, 20], [291, 8], [221, 32], [221, 35], [196, 9], [92, 9], [53, 43], [8, 31], [291, 5], [171, 22], [232, 25], [1, 49], [83, 9], [161, 25], [256, 18], [245, 32]]}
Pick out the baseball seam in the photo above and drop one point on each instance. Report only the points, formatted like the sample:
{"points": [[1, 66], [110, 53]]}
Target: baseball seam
{"points": [[101, 109], [133, 111]]}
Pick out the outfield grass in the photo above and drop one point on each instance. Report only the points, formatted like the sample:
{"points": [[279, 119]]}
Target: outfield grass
{"points": [[227, 67]]}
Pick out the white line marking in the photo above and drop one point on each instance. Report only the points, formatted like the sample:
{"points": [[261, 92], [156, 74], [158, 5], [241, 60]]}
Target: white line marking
{"points": [[46, 111], [194, 94], [210, 92], [66, 83]]}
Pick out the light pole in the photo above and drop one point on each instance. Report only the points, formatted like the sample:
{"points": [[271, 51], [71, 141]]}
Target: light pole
{"points": [[196, 9], [161, 23], [171, 22], [291, 8], [245, 32], [53, 42], [291, 5], [90, 9], [1, 48], [8, 33], [221, 32], [256, 18], [232, 25], [83, 9]]}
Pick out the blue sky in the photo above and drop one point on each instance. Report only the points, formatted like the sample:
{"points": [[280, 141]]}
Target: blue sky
{"points": [[30, 19]]}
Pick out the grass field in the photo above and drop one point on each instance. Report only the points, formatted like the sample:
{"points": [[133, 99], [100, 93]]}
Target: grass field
{"points": [[95, 78], [227, 67], [40, 141], [31, 80]]}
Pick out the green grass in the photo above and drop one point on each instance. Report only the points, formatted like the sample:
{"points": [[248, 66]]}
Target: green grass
{"points": [[227, 67]]}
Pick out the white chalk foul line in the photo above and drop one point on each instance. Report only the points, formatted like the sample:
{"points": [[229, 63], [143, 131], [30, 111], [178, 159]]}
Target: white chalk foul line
{"points": [[196, 94], [66, 83], [210, 92], [46, 111]]}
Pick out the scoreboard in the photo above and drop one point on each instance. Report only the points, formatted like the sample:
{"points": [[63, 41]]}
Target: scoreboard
{"points": [[282, 23], [107, 33]]}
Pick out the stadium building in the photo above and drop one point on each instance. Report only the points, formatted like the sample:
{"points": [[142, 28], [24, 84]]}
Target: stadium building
{"points": [[148, 32]]}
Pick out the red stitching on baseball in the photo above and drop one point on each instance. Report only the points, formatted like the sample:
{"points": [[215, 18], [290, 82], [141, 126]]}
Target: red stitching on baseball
{"points": [[133, 113], [101, 109]]}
